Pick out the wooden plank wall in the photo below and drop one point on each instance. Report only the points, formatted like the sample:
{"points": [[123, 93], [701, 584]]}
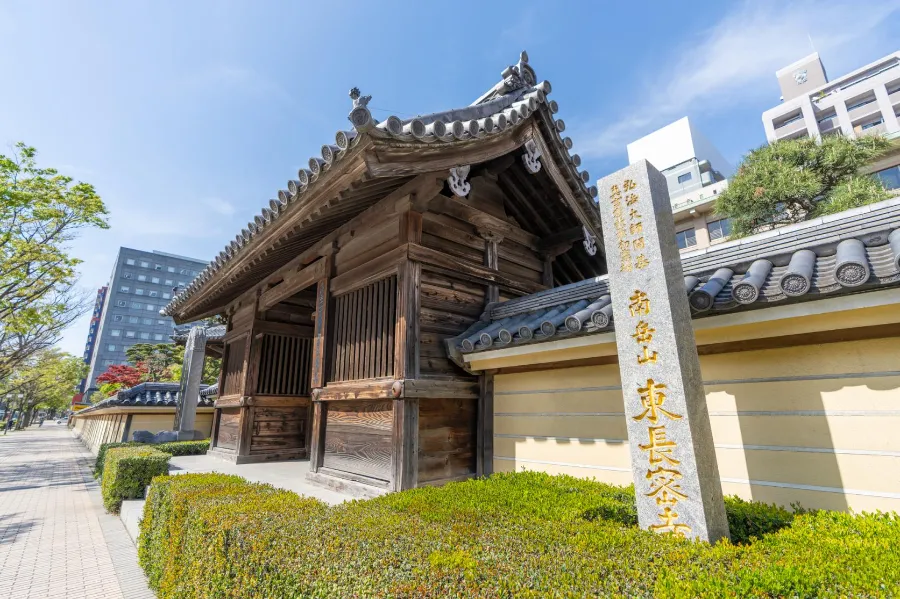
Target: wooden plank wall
{"points": [[279, 428], [234, 366], [446, 439], [229, 428], [358, 438]]}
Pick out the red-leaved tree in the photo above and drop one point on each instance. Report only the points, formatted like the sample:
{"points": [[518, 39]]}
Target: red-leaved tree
{"points": [[121, 376]]}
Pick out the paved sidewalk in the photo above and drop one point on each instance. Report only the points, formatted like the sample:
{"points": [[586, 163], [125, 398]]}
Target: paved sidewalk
{"points": [[55, 538]]}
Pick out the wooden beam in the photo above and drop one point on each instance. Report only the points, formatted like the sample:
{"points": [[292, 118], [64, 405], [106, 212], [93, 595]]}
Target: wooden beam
{"points": [[293, 283], [464, 212], [369, 272], [406, 337], [357, 390], [458, 267]]}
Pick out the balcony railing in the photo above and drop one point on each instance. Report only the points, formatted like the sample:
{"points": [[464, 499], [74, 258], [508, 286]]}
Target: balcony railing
{"points": [[791, 128]]}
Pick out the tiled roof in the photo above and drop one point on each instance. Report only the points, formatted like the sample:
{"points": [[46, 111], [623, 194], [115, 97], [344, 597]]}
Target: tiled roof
{"points": [[210, 391], [213, 333], [857, 250], [164, 395], [506, 105]]}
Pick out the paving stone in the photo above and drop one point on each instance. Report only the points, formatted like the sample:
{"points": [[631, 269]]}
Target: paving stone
{"points": [[56, 541]]}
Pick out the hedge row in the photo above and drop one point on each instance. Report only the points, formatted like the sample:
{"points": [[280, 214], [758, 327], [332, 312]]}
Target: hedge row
{"points": [[512, 535], [176, 448], [128, 472]]}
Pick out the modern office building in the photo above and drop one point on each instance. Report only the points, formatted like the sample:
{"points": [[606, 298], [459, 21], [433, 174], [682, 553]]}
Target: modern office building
{"points": [[140, 285], [91, 342], [695, 172], [863, 102]]}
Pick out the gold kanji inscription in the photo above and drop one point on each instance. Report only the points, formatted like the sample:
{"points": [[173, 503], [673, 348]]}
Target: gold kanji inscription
{"points": [[652, 398], [668, 517], [631, 198], [659, 448], [629, 184], [649, 357], [638, 243], [664, 487], [643, 332], [636, 228], [639, 303], [633, 214], [641, 261]]}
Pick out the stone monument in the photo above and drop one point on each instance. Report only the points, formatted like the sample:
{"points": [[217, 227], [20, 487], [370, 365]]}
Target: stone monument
{"points": [[676, 477], [189, 392]]}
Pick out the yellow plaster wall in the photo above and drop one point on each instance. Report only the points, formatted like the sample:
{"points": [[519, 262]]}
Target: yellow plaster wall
{"points": [[94, 429], [818, 425]]}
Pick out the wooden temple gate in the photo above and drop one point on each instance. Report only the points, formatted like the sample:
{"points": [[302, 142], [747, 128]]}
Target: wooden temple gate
{"points": [[341, 297]]}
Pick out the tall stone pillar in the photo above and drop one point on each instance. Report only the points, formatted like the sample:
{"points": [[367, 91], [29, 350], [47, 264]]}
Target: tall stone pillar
{"points": [[191, 377], [676, 478]]}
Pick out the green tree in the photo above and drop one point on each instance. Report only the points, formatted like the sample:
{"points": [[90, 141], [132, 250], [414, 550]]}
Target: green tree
{"points": [[41, 211], [794, 180], [163, 362], [46, 380]]}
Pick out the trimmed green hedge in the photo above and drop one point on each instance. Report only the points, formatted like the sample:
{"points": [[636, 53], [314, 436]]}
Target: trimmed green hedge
{"points": [[128, 472], [175, 448], [512, 535]]}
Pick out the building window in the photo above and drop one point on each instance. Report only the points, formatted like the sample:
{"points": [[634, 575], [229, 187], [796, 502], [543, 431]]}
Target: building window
{"points": [[161, 322], [130, 262], [166, 295], [155, 280], [872, 124], [158, 337], [108, 363], [121, 303], [127, 275], [889, 177], [133, 319], [170, 282], [137, 305], [145, 264], [124, 289], [142, 277], [171, 269], [719, 229], [182, 284], [129, 334], [139, 291], [110, 347], [116, 332], [152, 293], [151, 307], [145, 335], [686, 238], [117, 318], [684, 178], [157, 267]]}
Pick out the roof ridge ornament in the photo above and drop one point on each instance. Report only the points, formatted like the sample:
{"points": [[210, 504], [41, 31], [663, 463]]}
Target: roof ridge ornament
{"points": [[360, 115], [457, 180], [519, 75], [532, 157]]}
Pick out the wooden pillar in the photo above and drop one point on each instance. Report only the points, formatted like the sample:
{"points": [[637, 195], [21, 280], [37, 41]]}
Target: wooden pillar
{"points": [[317, 434], [248, 382], [547, 274], [405, 443], [484, 463]]}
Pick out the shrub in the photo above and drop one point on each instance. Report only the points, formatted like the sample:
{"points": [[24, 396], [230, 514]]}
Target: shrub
{"points": [[176, 448], [512, 535], [128, 472]]}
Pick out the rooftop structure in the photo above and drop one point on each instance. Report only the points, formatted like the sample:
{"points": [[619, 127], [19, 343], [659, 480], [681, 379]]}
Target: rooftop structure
{"points": [[863, 102], [696, 172]]}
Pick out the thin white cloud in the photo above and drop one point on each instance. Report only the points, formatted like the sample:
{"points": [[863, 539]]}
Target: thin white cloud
{"points": [[235, 78], [735, 61], [219, 206]]}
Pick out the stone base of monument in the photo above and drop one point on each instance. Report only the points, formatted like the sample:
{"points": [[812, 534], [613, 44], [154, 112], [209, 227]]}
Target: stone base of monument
{"points": [[194, 435]]}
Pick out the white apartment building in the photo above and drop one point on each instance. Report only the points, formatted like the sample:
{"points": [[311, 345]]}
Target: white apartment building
{"points": [[863, 102], [695, 172]]}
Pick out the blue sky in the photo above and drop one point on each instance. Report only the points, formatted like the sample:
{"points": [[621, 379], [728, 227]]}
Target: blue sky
{"points": [[189, 116]]}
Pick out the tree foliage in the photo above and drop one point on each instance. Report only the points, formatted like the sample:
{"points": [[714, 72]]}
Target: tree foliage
{"points": [[152, 362], [46, 380], [41, 211], [793, 180]]}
